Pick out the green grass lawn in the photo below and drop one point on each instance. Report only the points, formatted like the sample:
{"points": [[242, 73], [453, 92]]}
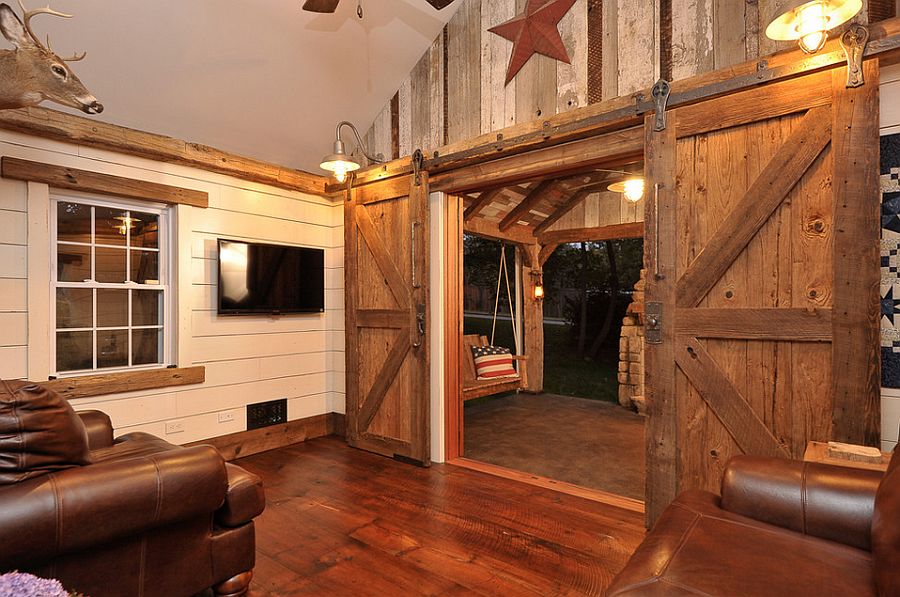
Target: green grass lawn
{"points": [[564, 372]]}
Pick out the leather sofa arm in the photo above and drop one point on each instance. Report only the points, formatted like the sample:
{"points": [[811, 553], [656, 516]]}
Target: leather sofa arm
{"points": [[81, 507], [99, 428], [829, 502], [244, 500]]}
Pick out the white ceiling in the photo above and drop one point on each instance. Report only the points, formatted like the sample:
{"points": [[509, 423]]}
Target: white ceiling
{"points": [[269, 82]]}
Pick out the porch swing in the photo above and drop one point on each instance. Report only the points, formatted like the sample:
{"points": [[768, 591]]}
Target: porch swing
{"points": [[474, 387]]}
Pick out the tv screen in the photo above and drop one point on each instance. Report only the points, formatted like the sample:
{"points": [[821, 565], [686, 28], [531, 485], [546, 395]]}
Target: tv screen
{"points": [[256, 278]]}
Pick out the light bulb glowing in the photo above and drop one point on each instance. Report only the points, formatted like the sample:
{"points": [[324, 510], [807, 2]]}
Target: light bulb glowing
{"points": [[812, 27], [538, 292], [634, 189], [340, 173]]}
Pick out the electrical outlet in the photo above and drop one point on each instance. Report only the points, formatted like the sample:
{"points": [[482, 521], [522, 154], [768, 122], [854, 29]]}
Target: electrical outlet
{"points": [[174, 427], [226, 416]]}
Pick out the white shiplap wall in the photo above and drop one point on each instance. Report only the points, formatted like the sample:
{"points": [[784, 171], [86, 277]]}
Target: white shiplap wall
{"points": [[890, 124], [247, 359]]}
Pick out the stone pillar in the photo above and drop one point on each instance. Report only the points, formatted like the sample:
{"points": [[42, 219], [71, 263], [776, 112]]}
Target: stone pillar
{"points": [[631, 352]]}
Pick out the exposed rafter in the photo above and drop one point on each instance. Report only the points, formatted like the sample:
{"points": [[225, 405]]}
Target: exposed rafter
{"points": [[480, 202], [535, 196]]}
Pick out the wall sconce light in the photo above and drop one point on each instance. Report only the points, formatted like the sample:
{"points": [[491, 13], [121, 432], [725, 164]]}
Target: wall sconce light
{"points": [[128, 223], [341, 164], [631, 188], [810, 21], [538, 283]]}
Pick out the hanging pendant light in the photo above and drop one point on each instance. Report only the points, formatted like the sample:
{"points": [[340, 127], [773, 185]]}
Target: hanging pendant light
{"points": [[631, 188], [808, 22]]}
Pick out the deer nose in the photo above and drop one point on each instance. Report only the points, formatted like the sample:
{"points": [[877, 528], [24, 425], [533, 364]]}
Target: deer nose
{"points": [[93, 108]]}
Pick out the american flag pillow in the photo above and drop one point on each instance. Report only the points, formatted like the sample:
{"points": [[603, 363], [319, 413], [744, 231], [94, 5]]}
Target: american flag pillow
{"points": [[492, 362]]}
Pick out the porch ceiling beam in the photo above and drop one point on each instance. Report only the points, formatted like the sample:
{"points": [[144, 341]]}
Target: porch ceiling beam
{"points": [[596, 233], [571, 203], [520, 235], [621, 112], [535, 196], [480, 202]]}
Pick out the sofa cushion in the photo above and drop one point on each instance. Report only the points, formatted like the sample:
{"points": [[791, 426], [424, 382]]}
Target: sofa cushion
{"points": [[39, 433], [886, 531], [696, 548]]}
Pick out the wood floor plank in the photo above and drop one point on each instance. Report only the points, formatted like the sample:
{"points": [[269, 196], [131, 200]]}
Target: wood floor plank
{"points": [[343, 521]]}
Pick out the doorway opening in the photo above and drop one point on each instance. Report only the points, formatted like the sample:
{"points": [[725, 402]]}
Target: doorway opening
{"points": [[571, 408]]}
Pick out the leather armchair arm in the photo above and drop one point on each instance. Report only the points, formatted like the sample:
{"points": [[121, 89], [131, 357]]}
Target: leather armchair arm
{"points": [[99, 428], [830, 502], [85, 506]]}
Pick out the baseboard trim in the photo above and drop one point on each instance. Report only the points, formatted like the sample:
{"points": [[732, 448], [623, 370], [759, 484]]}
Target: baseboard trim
{"points": [[247, 443]]}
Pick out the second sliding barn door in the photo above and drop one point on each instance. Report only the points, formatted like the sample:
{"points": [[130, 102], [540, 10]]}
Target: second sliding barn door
{"points": [[762, 241]]}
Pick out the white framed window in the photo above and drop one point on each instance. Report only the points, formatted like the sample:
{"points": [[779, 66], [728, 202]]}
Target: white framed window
{"points": [[110, 285]]}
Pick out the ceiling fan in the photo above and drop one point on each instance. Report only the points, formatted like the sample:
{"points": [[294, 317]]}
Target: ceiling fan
{"points": [[328, 6]]}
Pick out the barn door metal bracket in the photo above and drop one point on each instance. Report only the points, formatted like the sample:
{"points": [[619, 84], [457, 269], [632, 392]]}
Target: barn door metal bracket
{"points": [[660, 95], [653, 323], [418, 163], [854, 42]]}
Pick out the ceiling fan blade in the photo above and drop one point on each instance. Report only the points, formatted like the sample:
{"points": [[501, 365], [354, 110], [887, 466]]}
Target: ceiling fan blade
{"points": [[439, 4], [326, 6]]}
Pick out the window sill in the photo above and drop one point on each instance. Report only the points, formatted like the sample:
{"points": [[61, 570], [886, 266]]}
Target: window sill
{"points": [[87, 386]]}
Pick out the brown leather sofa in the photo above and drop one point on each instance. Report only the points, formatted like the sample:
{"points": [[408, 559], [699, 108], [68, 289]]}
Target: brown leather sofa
{"points": [[125, 517], [780, 528]]}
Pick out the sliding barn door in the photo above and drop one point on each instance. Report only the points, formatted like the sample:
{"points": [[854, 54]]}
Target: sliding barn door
{"points": [[386, 287], [762, 249]]}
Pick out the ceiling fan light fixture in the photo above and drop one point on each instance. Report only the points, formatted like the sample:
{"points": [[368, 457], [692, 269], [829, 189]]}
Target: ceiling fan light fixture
{"points": [[808, 22]]}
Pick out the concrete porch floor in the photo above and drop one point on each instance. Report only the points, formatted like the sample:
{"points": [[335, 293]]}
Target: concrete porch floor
{"points": [[585, 442]]}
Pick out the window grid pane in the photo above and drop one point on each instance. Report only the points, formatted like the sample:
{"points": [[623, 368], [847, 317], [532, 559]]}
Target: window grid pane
{"points": [[117, 345]]}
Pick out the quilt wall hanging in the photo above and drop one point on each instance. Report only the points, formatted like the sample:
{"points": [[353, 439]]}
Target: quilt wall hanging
{"points": [[890, 261]]}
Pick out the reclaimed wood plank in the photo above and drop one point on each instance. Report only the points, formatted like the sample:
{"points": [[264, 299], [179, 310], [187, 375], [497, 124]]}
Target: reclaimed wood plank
{"points": [[798, 325], [60, 177], [104, 384], [855, 352]]}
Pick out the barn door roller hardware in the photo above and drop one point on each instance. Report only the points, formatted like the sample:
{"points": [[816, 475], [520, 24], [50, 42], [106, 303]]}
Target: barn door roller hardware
{"points": [[418, 163], [660, 95], [854, 42]]}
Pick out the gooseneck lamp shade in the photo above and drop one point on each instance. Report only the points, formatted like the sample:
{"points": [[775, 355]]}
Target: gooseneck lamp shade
{"points": [[809, 22], [631, 188], [341, 164]]}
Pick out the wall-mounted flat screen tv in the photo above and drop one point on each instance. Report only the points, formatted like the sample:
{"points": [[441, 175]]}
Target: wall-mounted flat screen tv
{"points": [[256, 278]]}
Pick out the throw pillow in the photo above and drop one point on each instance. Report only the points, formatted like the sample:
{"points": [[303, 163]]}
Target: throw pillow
{"points": [[492, 362]]}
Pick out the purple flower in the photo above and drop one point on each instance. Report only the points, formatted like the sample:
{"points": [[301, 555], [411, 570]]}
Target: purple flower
{"points": [[20, 584]]}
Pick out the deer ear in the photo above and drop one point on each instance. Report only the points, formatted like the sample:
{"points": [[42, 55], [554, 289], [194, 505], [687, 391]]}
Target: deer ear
{"points": [[12, 28]]}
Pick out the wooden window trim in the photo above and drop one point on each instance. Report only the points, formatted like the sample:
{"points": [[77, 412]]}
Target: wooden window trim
{"points": [[61, 177], [86, 386]]}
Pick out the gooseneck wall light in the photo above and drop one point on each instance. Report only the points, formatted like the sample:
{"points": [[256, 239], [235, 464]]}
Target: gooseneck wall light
{"points": [[808, 22], [339, 162]]}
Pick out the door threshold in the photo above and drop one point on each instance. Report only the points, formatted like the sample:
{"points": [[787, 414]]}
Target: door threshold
{"points": [[595, 495]]}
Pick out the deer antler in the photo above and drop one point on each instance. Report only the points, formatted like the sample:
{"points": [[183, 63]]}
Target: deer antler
{"points": [[30, 14], [75, 57]]}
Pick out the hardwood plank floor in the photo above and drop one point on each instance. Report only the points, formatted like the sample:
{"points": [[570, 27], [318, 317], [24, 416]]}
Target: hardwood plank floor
{"points": [[340, 521]]}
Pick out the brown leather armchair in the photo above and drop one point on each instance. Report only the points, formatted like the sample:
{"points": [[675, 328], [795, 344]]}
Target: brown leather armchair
{"points": [[144, 517], [780, 528]]}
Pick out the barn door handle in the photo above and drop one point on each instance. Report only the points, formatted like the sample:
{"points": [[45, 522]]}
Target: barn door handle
{"points": [[415, 275], [420, 325], [656, 274]]}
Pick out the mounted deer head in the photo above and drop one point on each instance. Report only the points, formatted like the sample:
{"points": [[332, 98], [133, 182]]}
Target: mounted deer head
{"points": [[32, 72]]}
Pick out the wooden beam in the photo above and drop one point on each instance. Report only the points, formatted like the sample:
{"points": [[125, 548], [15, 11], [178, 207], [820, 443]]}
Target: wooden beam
{"points": [[789, 325], [626, 111], [382, 318], [520, 235], [67, 128], [783, 171], [725, 401], [534, 196], [855, 351], [562, 210], [246, 443], [480, 202], [611, 150], [104, 184], [597, 233], [533, 317], [104, 384], [546, 252]]}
